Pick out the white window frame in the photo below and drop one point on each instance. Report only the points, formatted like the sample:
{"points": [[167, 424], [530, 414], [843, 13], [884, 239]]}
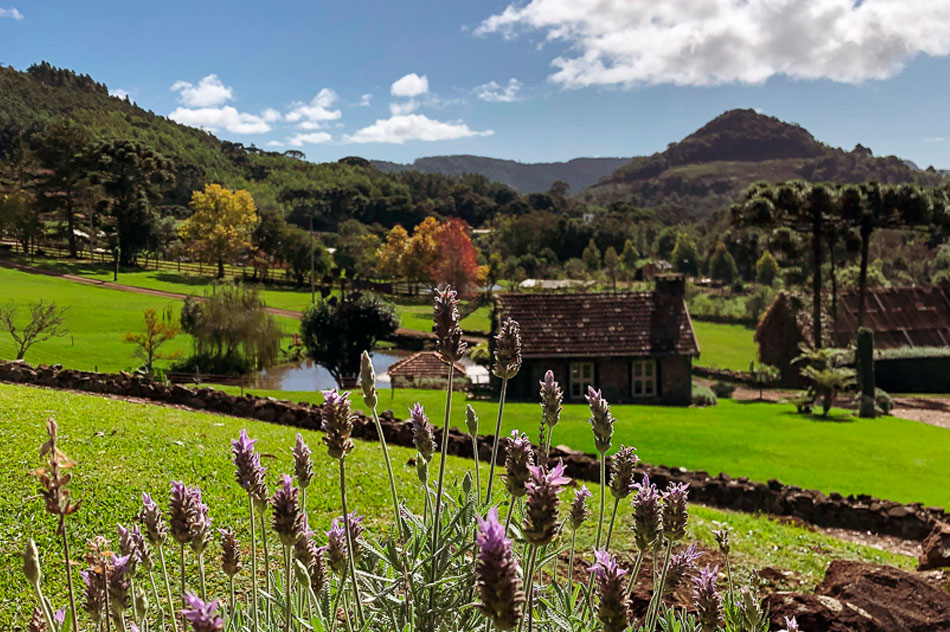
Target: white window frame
{"points": [[643, 374], [581, 375]]}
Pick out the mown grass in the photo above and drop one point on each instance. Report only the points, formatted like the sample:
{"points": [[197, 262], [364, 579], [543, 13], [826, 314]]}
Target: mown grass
{"points": [[724, 346], [887, 457], [122, 449]]}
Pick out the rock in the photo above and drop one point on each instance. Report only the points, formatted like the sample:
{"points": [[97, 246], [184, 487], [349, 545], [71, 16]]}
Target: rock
{"points": [[817, 612], [936, 548]]}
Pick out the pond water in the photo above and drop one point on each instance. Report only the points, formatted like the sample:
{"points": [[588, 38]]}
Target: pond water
{"points": [[308, 376]]}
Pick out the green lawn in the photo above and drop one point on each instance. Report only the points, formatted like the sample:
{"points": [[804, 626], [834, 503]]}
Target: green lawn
{"points": [[122, 449], [724, 346], [887, 457]]}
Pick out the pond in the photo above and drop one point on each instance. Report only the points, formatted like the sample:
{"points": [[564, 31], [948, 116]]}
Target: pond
{"points": [[308, 376]]}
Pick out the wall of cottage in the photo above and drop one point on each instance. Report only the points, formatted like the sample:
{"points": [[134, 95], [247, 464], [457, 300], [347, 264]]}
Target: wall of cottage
{"points": [[863, 513]]}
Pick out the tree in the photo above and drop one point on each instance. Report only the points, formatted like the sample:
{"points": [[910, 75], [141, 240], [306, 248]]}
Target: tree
{"points": [[297, 247], [18, 218], [629, 257], [157, 333], [45, 322], [686, 255], [336, 332], [356, 249], [825, 374], [591, 257], [612, 265], [132, 177], [457, 263], [763, 375], [722, 266], [389, 257], [222, 223], [422, 252], [493, 271], [766, 269]]}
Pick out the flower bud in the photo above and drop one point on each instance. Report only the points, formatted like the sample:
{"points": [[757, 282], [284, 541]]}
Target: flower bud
{"points": [[303, 464], [368, 380], [520, 457], [579, 510], [31, 563], [601, 421], [622, 466], [447, 331], [337, 423], [471, 420], [508, 350], [422, 432]]}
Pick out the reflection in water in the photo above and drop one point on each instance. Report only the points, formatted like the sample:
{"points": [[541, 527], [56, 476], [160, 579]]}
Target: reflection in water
{"points": [[308, 376]]}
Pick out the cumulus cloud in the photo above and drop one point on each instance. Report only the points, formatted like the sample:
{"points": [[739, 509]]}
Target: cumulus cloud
{"points": [[225, 117], [411, 85], [405, 107], [11, 13], [310, 139], [399, 129], [685, 42], [274, 143], [311, 115], [494, 93], [364, 100], [270, 115], [209, 92], [118, 93]]}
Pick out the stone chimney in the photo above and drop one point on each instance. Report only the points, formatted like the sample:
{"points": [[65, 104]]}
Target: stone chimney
{"points": [[672, 285], [668, 312]]}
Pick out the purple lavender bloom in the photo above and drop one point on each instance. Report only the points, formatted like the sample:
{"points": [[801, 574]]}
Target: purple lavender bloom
{"points": [[675, 511], [303, 464], [337, 423], [601, 420], [682, 565], [612, 610], [94, 594], [288, 518], [508, 349], [579, 510], [248, 469], [151, 517], [201, 615], [188, 517], [791, 625], [60, 616], [230, 552], [445, 313], [520, 457], [622, 465], [551, 398], [707, 599], [647, 516], [120, 583], [497, 575], [132, 542], [540, 523], [336, 547], [422, 432], [201, 522]]}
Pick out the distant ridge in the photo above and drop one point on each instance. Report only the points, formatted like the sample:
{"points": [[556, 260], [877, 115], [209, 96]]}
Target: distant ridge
{"points": [[578, 173]]}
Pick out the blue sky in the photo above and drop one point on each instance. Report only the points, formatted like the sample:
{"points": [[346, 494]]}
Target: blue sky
{"points": [[538, 80]]}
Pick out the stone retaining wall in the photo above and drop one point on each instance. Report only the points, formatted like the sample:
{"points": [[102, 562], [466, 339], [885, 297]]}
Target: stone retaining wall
{"points": [[862, 513]]}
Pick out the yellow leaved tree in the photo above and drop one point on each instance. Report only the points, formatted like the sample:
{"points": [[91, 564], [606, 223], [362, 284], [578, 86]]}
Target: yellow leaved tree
{"points": [[422, 253], [221, 224], [389, 257]]}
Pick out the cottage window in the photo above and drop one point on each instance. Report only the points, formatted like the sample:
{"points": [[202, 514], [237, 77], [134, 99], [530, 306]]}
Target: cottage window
{"points": [[643, 377], [582, 376]]}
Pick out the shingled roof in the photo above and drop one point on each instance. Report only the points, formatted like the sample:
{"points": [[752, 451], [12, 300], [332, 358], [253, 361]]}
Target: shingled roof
{"points": [[598, 325], [423, 365]]}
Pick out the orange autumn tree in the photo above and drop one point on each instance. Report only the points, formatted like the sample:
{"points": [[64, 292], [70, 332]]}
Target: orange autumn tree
{"points": [[457, 260]]}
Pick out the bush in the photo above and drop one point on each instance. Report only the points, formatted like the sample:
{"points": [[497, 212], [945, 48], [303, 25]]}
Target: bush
{"points": [[724, 390], [703, 396], [207, 363], [883, 401]]}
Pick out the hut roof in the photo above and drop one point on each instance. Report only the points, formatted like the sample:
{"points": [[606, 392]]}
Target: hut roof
{"points": [[423, 365]]}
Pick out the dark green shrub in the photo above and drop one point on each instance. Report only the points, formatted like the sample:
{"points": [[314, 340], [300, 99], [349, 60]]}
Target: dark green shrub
{"points": [[703, 396], [723, 390]]}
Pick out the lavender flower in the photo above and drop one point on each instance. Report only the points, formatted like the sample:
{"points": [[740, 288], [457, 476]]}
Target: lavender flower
{"points": [[647, 515], [120, 583], [551, 398], [791, 625], [579, 511], [188, 517], [94, 594], [707, 599], [368, 380], [337, 423], [681, 566], [722, 539], [601, 421], [201, 615], [622, 466], [508, 349], [336, 547], [497, 575], [37, 621], [230, 552], [302, 549], [59, 617], [201, 525], [422, 432], [540, 525], [447, 331], [303, 464], [675, 511], [317, 567], [288, 518], [153, 521], [612, 610], [248, 469], [132, 542], [519, 458]]}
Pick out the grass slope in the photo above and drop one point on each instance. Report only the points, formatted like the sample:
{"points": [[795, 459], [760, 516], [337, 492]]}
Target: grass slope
{"points": [[724, 346], [119, 454]]}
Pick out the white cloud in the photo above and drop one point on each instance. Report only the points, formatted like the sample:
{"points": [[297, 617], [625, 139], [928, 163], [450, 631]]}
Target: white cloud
{"points": [[405, 107], [411, 85], [274, 143], [209, 92], [686, 42], [118, 93], [494, 93], [270, 115], [399, 129], [933, 139], [311, 139], [311, 115], [364, 100], [226, 117], [11, 13]]}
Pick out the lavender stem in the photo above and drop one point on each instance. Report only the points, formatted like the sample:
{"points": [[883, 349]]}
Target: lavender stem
{"points": [[254, 615], [168, 587], [494, 447], [350, 550]]}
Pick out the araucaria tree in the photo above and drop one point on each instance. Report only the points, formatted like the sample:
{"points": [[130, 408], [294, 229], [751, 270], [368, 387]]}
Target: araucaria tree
{"points": [[132, 178], [336, 332], [222, 223]]}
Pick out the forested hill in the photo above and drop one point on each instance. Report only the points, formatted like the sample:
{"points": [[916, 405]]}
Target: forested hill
{"points": [[578, 173], [708, 169], [32, 100]]}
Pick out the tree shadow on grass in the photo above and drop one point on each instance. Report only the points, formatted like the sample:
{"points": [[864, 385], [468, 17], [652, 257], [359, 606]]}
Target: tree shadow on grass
{"points": [[183, 279]]}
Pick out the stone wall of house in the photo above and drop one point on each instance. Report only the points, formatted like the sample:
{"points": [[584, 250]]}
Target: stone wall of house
{"points": [[864, 513], [676, 380]]}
